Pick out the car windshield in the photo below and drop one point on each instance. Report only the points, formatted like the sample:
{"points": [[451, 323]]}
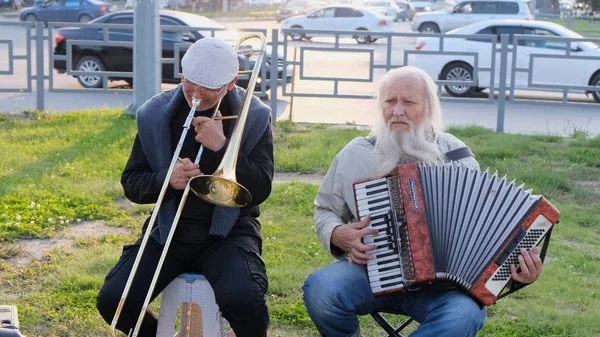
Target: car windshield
{"points": [[96, 2]]}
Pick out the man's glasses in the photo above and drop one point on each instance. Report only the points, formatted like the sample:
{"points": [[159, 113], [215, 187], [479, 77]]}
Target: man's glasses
{"points": [[201, 92]]}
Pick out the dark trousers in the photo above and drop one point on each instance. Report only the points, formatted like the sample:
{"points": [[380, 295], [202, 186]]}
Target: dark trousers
{"points": [[232, 266]]}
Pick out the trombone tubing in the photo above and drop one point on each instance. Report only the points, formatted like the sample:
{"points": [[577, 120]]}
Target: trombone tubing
{"points": [[186, 126]]}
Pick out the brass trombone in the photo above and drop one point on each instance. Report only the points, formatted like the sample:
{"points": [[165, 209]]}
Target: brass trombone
{"points": [[220, 188]]}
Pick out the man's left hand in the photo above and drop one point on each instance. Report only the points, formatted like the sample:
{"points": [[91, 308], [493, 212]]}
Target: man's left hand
{"points": [[209, 132], [531, 266]]}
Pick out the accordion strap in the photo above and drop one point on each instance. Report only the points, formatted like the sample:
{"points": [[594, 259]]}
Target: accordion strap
{"points": [[457, 154]]}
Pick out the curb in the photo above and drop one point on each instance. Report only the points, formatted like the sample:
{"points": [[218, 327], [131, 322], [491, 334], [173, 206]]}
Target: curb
{"points": [[9, 15]]}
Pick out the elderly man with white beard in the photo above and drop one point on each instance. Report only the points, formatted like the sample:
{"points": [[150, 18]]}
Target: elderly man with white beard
{"points": [[409, 128]]}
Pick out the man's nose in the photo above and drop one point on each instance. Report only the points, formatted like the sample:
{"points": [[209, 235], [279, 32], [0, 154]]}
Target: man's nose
{"points": [[399, 110]]}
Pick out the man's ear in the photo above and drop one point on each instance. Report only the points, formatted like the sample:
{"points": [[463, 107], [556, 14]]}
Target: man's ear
{"points": [[231, 84]]}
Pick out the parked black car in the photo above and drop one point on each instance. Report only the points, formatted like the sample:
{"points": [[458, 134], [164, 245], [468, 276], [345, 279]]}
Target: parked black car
{"points": [[65, 11], [88, 57]]}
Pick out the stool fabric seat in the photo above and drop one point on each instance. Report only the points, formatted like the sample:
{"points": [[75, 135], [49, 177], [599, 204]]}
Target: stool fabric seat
{"points": [[199, 312]]}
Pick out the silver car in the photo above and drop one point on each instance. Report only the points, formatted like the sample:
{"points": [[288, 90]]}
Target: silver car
{"points": [[468, 12]]}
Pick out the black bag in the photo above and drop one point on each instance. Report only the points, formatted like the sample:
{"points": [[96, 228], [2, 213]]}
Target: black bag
{"points": [[9, 322]]}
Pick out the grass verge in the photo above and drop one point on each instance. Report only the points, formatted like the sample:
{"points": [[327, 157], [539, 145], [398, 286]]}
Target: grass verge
{"points": [[66, 167]]}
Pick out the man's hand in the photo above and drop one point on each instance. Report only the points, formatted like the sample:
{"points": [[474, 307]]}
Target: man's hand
{"points": [[182, 172], [209, 132], [531, 266], [349, 239]]}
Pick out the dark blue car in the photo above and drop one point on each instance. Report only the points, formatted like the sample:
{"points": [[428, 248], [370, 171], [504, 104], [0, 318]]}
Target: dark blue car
{"points": [[65, 11]]}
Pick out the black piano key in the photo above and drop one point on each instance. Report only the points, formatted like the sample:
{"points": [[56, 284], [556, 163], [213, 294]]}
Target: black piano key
{"points": [[377, 191], [375, 184], [378, 200], [390, 277], [392, 284], [385, 238], [381, 270], [381, 256], [378, 207]]}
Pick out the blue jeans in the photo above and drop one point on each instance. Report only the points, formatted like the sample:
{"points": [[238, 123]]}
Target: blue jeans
{"points": [[337, 293]]}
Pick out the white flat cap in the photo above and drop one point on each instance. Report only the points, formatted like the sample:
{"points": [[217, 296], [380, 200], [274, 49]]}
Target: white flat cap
{"points": [[210, 62]]}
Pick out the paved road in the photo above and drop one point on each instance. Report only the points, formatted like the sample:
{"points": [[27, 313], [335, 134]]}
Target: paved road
{"points": [[522, 118]]}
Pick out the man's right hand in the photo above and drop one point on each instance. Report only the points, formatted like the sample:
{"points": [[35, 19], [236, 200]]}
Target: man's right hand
{"points": [[182, 172], [349, 239]]}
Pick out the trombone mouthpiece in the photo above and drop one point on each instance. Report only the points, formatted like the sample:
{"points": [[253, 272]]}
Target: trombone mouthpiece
{"points": [[196, 102]]}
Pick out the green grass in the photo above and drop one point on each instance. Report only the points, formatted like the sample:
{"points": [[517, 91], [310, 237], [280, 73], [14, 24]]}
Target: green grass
{"points": [[69, 165]]}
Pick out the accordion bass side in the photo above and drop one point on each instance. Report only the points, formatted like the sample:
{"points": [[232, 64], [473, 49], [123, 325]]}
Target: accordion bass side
{"points": [[449, 223]]}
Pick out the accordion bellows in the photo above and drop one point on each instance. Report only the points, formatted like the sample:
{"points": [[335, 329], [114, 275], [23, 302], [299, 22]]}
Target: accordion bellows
{"points": [[445, 222]]}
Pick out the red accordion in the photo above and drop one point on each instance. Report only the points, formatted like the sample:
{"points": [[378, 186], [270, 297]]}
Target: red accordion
{"points": [[449, 223]]}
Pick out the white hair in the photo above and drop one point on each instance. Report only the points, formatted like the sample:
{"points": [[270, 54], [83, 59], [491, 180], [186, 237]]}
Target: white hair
{"points": [[420, 143]]}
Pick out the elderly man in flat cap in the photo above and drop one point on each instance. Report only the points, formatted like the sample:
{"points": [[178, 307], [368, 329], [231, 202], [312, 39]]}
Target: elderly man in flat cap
{"points": [[223, 244]]}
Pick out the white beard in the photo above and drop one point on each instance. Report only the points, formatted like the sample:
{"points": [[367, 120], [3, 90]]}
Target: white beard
{"points": [[399, 146]]}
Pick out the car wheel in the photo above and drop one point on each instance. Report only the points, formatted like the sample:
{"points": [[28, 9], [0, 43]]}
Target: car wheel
{"points": [[296, 36], [596, 81], [362, 39], [90, 63], [429, 28], [31, 18], [85, 18], [458, 71]]}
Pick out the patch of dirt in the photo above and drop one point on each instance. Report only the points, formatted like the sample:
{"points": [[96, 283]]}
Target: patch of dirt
{"points": [[297, 177], [35, 249], [592, 186]]}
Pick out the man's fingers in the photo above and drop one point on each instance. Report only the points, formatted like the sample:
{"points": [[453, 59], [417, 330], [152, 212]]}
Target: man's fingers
{"points": [[528, 261], [513, 273], [360, 255], [199, 120], [524, 269], [363, 223], [369, 231], [357, 260], [366, 248], [536, 261]]}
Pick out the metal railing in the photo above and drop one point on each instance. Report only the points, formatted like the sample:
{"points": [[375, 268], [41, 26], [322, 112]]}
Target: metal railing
{"points": [[502, 65]]}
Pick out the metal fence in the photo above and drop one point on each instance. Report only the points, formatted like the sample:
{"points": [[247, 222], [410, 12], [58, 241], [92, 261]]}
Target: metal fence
{"points": [[502, 66]]}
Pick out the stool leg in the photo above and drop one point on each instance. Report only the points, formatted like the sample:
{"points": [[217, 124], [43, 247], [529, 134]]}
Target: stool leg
{"points": [[190, 320]]}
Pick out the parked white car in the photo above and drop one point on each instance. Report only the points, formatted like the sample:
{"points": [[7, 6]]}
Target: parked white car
{"points": [[468, 12], [383, 7], [339, 17], [581, 69]]}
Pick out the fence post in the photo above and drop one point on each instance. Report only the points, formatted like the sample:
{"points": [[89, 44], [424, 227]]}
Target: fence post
{"points": [[502, 88], [275, 72], [569, 19], [146, 53], [39, 64]]}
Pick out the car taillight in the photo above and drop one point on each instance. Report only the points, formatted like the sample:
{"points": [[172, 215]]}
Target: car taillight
{"points": [[58, 38], [420, 45], [102, 9], [382, 23]]}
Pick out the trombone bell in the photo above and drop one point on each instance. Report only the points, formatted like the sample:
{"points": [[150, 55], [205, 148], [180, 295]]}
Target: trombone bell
{"points": [[220, 191]]}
